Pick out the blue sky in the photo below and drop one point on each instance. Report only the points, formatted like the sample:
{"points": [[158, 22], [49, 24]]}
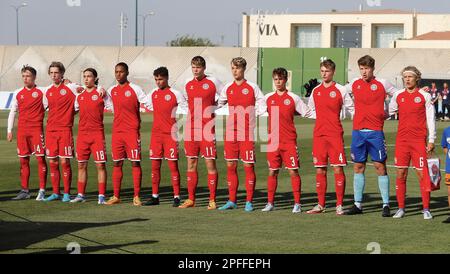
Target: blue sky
{"points": [[96, 22]]}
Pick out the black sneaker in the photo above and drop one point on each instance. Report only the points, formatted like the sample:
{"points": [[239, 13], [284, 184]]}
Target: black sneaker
{"points": [[447, 221], [176, 202], [153, 201], [353, 211], [386, 211]]}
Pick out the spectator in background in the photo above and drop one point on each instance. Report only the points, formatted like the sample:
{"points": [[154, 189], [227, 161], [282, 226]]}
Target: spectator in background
{"points": [[445, 102], [435, 96]]}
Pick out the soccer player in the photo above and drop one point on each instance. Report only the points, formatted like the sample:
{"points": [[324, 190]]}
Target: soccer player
{"points": [[28, 101], [91, 136], [445, 143], [164, 102], [369, 95], [60, 98], [245, 101], [416, 114], [326, 102], [126, 141], [282, 105], [202, 94]]}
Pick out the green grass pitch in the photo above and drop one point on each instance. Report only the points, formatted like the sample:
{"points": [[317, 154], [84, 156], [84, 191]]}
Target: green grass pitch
{"points": [[36, 227]]}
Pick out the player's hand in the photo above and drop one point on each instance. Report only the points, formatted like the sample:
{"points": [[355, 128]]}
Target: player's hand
{"points": [[67, 81], [430, 147], [102, 92], [10, 137], [80, 89]]}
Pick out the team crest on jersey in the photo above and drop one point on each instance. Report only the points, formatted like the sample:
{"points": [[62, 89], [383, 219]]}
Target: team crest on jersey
{"points": [[245, 91], [373, 87], [333, 94], [205, 86], [417, 100], [35, 94], [287, 102], [167, 97], [94, 98], [127, 93], [63, 92]]}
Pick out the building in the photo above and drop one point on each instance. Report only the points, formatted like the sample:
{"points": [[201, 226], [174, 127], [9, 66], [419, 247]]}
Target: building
{"points": [[358, 29]]}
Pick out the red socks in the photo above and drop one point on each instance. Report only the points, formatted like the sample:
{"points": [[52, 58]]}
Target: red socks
{"points": [[175, 177], [156, 176], [296, 187], [250, 182], [117, 180], [54, 176], [81, 187], [271, 188], [24, 172], [233, 183], [400, 189], [42, 171], [67, 176], [339, 181], [212, 185], [321, 188], [192, 181], [137, 179], [101, 188]]}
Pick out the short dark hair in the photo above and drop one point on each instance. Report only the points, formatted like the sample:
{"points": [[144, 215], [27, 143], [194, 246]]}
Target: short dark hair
{"points": [[94, 72], [58, 65], [28, 68], [161, 71], [198, 61], [367, 61], [280, 72], [122, 64], [329, 64]]}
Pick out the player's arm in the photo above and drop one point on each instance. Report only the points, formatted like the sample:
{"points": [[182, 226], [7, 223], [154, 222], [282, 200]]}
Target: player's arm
{"points": [[75, 88], [312, 106], [393, 105], [389, 88], [182, 107], [44, 96], [302, 108], [347, 101], [431, 122], [12, 117], [260, 101], [141, 96], [223, 99], [219, 87], [149, 99], [76, 105]]}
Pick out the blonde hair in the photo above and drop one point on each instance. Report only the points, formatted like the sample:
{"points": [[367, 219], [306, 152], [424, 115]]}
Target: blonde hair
{"points": [[413, 70]]}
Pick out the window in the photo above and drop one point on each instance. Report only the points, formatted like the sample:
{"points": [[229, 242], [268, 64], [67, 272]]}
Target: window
{"points": [[384, 35], [347, 36], [308, 36]]}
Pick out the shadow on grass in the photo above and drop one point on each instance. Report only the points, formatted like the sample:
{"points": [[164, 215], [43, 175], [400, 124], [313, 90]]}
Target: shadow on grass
{"points": [[21, 234]]}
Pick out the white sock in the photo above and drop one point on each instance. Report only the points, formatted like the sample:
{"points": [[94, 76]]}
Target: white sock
{"points": [[155, 195], [358, 204]]}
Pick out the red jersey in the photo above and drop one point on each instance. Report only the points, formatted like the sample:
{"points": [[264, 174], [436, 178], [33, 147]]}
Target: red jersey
{"points": [[204, 93], [326, 104], [61, 106], [416, 113], [370, 106], [245, 101], [29, 104], [281, 109], [91, 107], [164, 104], [126, 105]]}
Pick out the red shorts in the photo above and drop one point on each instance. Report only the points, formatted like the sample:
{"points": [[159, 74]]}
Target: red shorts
{"points": [[407, 151], [59, 144], [286, 153], [207, 149], [91, 143], [243, 150], [163, 146], [126, 145], [328, 147], [30, 141]]}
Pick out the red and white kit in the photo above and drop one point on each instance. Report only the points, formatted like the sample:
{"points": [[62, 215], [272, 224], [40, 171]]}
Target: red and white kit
{"points": [[328, 141], [91, 136], [245, 102], [30, 135]]}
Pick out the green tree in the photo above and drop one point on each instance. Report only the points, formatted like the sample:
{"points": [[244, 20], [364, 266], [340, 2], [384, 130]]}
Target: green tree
{"points": [[190, 41]]}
